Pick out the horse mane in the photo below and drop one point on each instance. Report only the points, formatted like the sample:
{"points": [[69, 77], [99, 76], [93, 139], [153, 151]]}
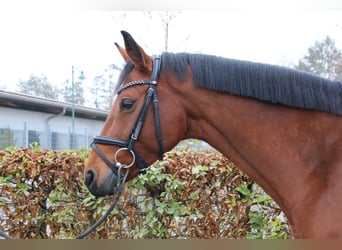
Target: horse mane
{"points": [[270, 83]]}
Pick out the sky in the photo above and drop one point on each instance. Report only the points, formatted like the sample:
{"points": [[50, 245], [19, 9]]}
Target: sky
{"points": [[40, 40]]}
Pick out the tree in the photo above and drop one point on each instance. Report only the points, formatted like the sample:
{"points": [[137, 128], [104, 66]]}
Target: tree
{"points": [[103, 87], [166, 18], [66, 92], [112, 72], [323, 59], [98, 91], [38, 86]]}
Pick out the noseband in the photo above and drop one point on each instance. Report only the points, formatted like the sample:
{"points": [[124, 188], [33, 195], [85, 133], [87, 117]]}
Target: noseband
{"points": [[127, 145]]}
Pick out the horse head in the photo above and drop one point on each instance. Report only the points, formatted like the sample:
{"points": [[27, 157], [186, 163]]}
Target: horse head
{"points": [[145, 121]]}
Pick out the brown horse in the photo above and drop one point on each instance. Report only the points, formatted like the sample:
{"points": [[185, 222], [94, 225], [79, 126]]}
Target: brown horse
{"points": [[282, 127]]}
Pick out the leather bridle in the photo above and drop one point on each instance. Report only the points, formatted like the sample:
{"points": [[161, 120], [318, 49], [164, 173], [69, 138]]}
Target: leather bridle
{"points": [[128, 145]]}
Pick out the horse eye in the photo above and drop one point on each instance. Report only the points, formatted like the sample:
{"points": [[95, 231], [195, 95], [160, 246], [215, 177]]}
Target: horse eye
{"points": [[126, 104]]}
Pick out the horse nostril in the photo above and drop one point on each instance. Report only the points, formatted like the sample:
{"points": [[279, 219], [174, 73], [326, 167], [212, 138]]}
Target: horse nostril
{"points": [[90, 178]]}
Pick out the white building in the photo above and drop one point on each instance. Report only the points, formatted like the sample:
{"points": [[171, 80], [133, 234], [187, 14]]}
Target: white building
{"points": [[27, 119]]}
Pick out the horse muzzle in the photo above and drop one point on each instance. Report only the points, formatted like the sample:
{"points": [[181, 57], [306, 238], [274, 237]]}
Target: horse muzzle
{"points": [[117, 171]]}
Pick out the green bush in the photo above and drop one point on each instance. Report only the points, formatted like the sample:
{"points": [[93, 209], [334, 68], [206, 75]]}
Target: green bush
{"points": [[187, 195]]}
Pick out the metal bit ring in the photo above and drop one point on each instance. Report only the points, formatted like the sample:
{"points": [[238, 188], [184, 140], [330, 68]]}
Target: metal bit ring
{"points": [[124, 165]]}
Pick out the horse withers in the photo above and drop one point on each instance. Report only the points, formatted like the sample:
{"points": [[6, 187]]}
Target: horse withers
{"points": [[282, 127]]}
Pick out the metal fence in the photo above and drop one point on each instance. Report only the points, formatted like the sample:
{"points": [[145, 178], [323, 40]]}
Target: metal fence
{"points": [[60, 137], [25, 134]]}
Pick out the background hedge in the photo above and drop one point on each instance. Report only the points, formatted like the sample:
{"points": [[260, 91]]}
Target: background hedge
{"points": [[187, 195]]}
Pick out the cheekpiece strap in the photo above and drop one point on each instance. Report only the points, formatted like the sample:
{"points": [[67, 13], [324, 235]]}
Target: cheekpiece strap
{"points": [[155, 69]]}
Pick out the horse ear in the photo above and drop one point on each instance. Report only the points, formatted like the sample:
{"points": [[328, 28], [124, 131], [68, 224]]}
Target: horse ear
{"points": [[136, 53], [123, 52]]}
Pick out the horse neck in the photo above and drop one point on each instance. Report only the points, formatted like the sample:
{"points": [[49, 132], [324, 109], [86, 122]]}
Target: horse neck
{"points": [[265, 141]]}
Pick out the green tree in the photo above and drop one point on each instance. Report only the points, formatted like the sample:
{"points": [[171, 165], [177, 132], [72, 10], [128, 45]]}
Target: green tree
{"points": [[323, 59], [66, 92], [38, 86]]}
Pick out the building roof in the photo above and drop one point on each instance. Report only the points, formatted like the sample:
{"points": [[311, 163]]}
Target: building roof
{"points": [[39, 104]]}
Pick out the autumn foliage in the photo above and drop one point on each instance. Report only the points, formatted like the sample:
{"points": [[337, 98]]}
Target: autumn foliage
{"points": [[187, 195]]}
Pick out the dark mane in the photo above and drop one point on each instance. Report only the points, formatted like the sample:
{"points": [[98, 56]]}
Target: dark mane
{"points": [[264, 82]]}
